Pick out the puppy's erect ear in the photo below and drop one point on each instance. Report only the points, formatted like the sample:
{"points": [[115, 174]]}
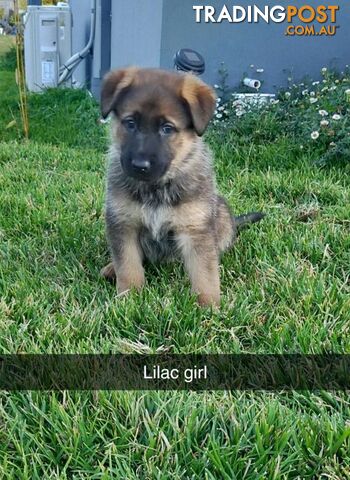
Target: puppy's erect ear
{"points": [[113, 84], [201, 99]]}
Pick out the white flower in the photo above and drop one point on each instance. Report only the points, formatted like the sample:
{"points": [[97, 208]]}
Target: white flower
{"points": [[219, 115], [332, 144], [324, 70], [332, 88], [323, 113], [252, 66], [324, 123], [347, 92], [301, 147], [226, 112], [313, 100], [315, 135], [324, 81], [305, 92], [216, 86], [274, 102], [239, 113], [312, 94], [259, 70], [287, 94], [324, 89], [336, 117], [218, 100], [315, 83], [221, 108], [337, 81]]}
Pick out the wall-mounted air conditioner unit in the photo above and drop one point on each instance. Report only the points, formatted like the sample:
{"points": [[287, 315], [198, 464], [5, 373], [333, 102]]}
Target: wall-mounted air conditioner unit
{"points": [[47, 44]]}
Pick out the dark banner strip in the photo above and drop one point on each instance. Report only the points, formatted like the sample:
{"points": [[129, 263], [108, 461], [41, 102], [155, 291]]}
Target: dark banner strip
{"points": [[174, 372]]}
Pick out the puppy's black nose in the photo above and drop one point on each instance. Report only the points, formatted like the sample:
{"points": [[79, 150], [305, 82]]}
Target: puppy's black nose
{"points": [[141, 164]]}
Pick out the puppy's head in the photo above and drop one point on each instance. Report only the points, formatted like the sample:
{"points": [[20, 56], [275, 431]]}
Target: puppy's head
{"points": [[158, 116]]}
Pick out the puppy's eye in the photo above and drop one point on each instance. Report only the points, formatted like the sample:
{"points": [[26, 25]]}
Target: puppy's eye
{"points": [[129, 124], [167, 129]]}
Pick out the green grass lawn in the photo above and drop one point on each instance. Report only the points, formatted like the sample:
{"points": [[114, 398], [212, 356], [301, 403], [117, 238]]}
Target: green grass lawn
{"points": [[285, 288]]}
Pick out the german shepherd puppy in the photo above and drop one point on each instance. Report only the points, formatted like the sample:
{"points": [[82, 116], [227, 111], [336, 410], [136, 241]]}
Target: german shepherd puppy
{"points": [[161, 195]]}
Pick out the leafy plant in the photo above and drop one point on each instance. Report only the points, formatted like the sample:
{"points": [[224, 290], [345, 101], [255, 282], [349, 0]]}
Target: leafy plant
{"points": [[315, 114], [8, 61]]}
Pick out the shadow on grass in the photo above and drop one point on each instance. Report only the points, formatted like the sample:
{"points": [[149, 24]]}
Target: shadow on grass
{"points": [[56, 116], [66, 116]]}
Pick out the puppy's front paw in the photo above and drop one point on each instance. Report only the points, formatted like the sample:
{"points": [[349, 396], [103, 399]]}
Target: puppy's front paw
{"points": [[209, 299], [125, 284]]}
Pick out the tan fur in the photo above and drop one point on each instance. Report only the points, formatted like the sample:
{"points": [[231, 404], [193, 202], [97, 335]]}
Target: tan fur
{"points": [[201, 260], [129, 270], [114, 83], [201, 98]]}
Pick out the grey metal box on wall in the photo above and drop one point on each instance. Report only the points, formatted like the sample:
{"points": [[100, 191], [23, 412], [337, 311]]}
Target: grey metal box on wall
{"points": [[47, 44]]}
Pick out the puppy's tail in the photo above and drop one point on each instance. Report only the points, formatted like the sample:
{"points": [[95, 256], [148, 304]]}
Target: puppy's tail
{"points": [[248, 218]]}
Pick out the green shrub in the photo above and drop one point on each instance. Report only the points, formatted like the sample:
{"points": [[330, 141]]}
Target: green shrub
{"points": [[313, 114], [8, 61]]}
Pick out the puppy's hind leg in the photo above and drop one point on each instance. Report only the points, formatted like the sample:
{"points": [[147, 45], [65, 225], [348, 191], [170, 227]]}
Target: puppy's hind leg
{"points": [[108, 272], [228, 225], [224, 225]]}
